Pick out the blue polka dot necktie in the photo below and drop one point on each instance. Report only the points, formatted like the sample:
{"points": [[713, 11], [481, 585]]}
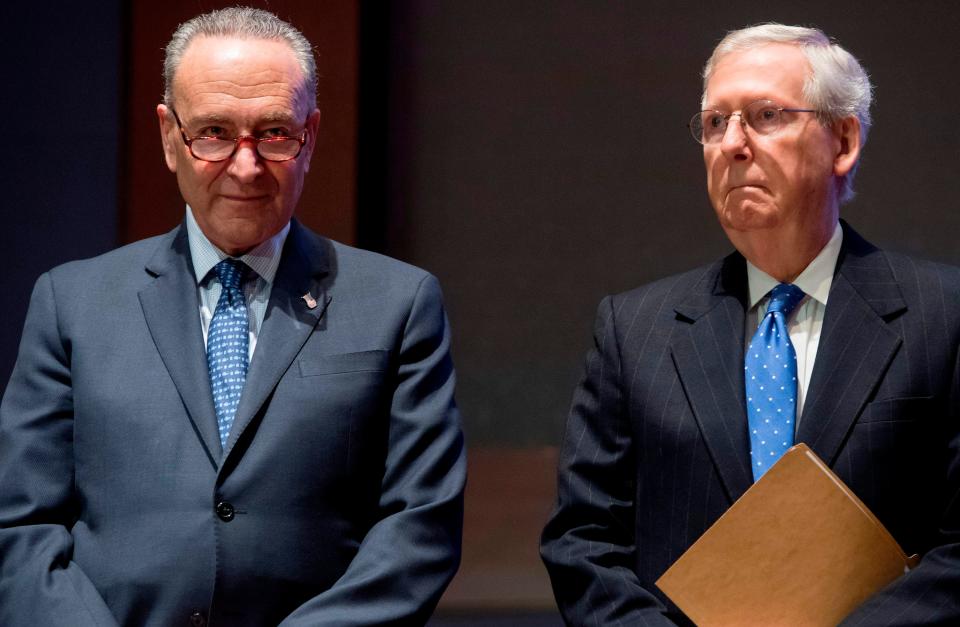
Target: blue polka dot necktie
{"points": [[227, 342], [770, 371]]}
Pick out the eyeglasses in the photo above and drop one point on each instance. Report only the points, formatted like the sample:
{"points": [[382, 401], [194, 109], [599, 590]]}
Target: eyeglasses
{"points": [[763, 116], [270, 147]]}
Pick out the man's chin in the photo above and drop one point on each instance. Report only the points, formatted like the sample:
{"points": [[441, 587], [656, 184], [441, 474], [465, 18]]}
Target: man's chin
{"points": [[243, 204], [238, 237], [748, 216]]}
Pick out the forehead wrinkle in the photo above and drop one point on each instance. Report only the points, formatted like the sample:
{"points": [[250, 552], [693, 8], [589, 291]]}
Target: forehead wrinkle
{"points": [[282, 101], [229, 88], [221, 119], [746, 93]]}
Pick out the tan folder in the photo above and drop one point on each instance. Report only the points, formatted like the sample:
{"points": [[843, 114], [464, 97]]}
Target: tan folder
{"points": [[798, 548]]}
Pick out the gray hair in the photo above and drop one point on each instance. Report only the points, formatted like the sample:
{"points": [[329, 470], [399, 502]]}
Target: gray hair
{"points": [[244, 23], [838, 87]]}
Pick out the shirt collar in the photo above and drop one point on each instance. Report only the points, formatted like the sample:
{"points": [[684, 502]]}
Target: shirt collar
{"points": [[815, 280], [264, 258]]}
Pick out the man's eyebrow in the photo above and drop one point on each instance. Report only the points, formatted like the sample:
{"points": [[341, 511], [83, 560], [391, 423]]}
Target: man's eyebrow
{"points": [[210, 118], [223, 120], [278, 116]]}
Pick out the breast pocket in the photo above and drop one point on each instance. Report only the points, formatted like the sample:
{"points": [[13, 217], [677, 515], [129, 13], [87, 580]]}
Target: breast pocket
{"points": [[343, 403], [362, 361], [909, 409]]}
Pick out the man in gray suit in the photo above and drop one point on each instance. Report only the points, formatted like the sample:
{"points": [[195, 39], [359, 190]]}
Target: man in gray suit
{"points": [[238, 422], [697, 383]]}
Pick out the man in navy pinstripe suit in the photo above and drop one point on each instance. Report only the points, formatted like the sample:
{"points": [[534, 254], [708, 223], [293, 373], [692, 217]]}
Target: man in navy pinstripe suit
{"points": [[657, 444]]}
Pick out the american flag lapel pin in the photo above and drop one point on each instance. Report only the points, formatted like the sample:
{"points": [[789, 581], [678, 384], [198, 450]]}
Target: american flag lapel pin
{"points": [[309, 300]]}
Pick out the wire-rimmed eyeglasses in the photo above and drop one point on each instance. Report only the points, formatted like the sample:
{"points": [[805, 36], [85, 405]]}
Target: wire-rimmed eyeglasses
{"points": [[763, 116], [213, 148]]}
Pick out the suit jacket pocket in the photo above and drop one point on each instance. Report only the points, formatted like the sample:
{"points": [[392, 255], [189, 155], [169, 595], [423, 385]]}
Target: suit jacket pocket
{"points": [[363, 361], [907, 409]]}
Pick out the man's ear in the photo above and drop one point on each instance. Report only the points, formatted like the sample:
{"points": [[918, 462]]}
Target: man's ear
{"points": [[168, 130], [313, 128], [847, 131]]}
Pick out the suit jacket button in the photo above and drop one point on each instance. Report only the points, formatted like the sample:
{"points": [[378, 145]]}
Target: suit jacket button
{"points": [[225, 511], [197, 619]]}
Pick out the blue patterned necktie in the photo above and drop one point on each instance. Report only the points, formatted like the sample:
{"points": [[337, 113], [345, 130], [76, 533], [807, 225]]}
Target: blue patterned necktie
{"points": [[770, 371], [227, 342]]}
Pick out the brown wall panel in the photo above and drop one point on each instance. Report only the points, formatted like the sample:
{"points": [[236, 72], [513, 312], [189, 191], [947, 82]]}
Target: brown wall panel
{"points": [[150, 202], [509, 496]]}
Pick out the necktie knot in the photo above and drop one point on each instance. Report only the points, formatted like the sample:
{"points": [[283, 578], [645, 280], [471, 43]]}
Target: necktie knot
{"points": [[784, 298], [230, 273]]}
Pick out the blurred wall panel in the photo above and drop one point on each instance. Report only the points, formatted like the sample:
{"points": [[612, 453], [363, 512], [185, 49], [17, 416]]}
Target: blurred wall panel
{"points": [[59, 167]]}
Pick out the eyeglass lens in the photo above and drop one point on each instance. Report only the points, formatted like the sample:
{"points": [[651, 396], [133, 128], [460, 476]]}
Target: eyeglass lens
{"points": [[762, 116], [214, 149]]}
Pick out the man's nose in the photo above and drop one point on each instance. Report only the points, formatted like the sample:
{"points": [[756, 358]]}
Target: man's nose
{"points": [[246, 163], [734, 144]]}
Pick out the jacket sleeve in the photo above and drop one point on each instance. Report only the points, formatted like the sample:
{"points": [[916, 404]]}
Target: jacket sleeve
{"points": [[588, 544], [930, 593], [411, 553], [39, 582]]}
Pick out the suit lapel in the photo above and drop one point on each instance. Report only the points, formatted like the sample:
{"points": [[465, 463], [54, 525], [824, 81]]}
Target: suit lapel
{"points": [[288, 321], [171, 311], [856, 345], [707, 350]]}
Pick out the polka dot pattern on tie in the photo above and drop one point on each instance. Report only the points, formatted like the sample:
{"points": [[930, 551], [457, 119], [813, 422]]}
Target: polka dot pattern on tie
{"points": [[227, 343], [770, 373]]}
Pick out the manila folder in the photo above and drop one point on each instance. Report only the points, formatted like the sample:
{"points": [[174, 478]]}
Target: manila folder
{"points": [[798, 548]]}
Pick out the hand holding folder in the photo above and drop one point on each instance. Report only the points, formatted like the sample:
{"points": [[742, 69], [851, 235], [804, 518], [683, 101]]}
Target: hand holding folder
{"points": [[798, 548]]}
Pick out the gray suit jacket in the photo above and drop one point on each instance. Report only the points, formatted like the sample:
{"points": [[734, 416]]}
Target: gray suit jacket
{"points": [[338, 499], [656, 447]]}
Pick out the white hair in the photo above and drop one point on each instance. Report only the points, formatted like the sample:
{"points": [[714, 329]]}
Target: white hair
{"points": [[244, 23], [838, 87]]}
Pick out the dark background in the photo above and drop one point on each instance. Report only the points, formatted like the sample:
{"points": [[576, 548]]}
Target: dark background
{"points": [[541, 161], [533, 155]]}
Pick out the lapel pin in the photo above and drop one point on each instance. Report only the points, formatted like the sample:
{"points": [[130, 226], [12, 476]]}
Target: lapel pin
{"points": [[309, 300]]}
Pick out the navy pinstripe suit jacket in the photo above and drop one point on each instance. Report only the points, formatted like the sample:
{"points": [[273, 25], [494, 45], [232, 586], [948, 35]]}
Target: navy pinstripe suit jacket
{"points": [[656, 447]]}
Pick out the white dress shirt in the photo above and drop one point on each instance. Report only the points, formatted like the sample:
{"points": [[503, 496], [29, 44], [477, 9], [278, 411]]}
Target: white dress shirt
{"points": [[263, 259], [806, 320]]}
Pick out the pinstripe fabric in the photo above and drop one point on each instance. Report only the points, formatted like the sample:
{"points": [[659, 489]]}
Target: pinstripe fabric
{"points": [[656, 447]]}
